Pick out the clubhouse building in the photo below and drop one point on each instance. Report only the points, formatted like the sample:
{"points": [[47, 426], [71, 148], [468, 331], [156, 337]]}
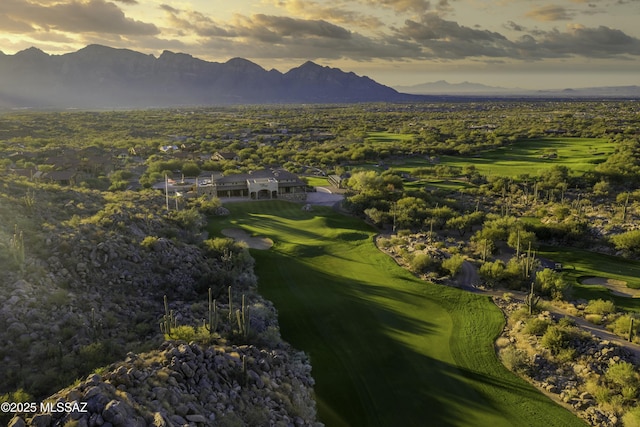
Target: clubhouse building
{"points": [[261, 184]]}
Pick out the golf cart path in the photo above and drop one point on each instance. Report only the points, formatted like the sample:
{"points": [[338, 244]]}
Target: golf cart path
{"points": [[469, 276]]}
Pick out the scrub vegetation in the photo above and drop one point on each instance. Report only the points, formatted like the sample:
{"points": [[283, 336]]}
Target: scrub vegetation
{"points": [[538, 201]]}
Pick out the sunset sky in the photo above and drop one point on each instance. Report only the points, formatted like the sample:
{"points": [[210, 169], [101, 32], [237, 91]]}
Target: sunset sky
{"points": [[531, 44]]}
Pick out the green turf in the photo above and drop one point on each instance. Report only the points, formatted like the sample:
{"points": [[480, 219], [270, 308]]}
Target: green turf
{"points": [[526, 157], [522, 157], [316, 181], [387, 349], [385, 137], [579, 264]]}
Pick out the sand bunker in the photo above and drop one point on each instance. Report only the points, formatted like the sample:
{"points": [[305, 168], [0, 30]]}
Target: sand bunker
{"points": [[240, 235], [617, 287]]}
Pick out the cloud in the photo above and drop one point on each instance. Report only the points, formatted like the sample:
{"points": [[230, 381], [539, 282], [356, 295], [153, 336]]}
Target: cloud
{"points": [[284, 26], [443, 39], [74, 16], [418, 6], [192, 22], [332, 13], [127, 1], [11, 25], [449, 40], [515, 27], [550, 13], [258, 27], [600, 42]]}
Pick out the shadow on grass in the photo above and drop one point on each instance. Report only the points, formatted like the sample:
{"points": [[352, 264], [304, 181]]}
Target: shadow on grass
{"points": [[386, 348], [373, 357]]}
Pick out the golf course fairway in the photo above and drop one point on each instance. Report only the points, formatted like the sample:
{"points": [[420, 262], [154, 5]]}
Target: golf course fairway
{"points": [[387, 349]]}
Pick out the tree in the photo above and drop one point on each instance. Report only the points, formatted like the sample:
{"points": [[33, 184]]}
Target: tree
{"points": [[552, 284], [520, 240], [628, 241], [421, 263], [453, 264], [190, 169], [601, 188], [492, 272]]}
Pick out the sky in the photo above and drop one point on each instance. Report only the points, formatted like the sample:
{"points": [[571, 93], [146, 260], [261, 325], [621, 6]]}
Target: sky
{"points": [[528, 44]]}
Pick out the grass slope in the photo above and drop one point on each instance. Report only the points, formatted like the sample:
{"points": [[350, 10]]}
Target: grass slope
{"points": [[386, 348]]}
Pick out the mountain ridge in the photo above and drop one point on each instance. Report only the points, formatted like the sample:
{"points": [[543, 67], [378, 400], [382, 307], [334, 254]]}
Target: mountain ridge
{"points": [[442, 87], [98, 76]]}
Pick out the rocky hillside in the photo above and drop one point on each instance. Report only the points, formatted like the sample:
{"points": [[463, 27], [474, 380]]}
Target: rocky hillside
{"points": [[85, 276], [190, 385]]}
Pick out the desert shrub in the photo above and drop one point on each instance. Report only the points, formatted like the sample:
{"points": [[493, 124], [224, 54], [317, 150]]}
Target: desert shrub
{"points": [[421, 263], [453, 264], [600, 306], [600, 393], [397, 241], [551, 283], [566, 355], [515, 360], [555, 339], [622, 325], [507, 296], [596, 319], [384, 242], [188, 219], [520, 314], [632, 417], [206, 205], [219, 246], [566, 322], [59, 298], [629, 241], [183, 332], [629, 393], [537, 326], [149, 242], [622, 374], [492, 272]]}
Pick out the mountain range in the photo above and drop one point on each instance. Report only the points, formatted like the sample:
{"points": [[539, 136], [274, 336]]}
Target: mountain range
{"points": [[467, 89], [104, 77]]}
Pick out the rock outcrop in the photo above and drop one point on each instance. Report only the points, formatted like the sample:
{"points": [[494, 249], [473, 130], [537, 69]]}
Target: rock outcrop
{"points": [[189, 385]]}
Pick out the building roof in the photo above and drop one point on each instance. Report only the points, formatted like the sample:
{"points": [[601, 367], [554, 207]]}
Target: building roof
{"points": [[284, 177]]}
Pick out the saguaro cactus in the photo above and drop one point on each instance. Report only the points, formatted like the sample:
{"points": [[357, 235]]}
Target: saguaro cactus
{"points": [[243, 318], [212, 324], [168, 321], [230, 307], [531, 300], [16, 244]]}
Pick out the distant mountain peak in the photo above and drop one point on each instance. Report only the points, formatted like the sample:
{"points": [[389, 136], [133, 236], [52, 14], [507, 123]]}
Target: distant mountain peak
{"points": [[98, 76], [244, 64], [32, 52]]}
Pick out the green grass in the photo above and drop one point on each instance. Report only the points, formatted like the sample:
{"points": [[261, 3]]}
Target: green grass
{"points": [[524, 157], [316, 181], [579, 264], [384, 137], [386, 348]]}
